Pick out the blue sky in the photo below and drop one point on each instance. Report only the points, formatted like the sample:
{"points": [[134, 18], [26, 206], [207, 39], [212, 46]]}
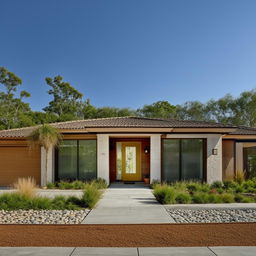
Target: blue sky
{"points": [[128, 53]]}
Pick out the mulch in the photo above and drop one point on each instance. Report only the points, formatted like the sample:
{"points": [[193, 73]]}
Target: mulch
{"points": [[132, 235]]}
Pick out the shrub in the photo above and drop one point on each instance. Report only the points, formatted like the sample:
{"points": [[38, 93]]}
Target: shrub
{"points": [[227, 198], [164, 194], [243, 199], [100, 183], [200, 198], [91, 196], [214, 199], [240, 177], [64, 185], [229, 184], [239, 189], [26, 186], [217, 184], [183, 198], [77, 184], [50, 185], [193, 187]]}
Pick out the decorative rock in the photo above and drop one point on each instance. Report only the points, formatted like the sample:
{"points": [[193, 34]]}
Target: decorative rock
{"points": [[42, 216], [212, 215]]}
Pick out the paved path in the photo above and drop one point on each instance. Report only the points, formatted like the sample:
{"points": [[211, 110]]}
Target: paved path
{"points": [[128, 204], [147, 251]]}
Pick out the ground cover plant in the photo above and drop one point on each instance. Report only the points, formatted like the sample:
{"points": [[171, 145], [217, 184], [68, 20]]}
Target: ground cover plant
{"points": [[77, 184], [242, 191], [25, 197]]}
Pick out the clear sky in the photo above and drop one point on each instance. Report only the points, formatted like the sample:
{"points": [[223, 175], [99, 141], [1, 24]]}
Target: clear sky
{"points": [[128, 53]]}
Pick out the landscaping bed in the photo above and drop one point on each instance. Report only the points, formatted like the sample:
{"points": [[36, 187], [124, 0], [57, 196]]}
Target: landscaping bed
{"points": [[25, 206], [202, 193], [43, 216], [212, 215], [143, 235]]}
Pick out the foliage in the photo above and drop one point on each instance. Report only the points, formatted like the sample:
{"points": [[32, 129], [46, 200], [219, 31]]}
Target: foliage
{"points": [[201, 193], [240, 177], [46, 136], [21, 200], [91, 196], [13, 111], [26, 186], [78, 184], [159, 109]]}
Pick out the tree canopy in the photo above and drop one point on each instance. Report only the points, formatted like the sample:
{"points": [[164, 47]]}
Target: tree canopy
{"points": [[69, 104]]}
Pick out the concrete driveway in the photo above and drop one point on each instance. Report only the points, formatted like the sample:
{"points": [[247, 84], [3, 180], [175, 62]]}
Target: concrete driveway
{"points": [[128, 204]]}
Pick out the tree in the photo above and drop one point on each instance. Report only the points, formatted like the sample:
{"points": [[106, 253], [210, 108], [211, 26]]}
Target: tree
{"points": [[191, 110], [159, 109], [67, 102], [45, 136], [13, 111]]}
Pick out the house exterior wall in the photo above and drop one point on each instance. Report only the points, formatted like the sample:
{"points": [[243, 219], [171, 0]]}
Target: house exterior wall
{"points": [[47, 173], [214, 162], [155, 157], [103, 157]]}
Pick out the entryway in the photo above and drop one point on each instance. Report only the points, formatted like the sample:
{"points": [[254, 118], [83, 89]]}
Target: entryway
{"points": [[128, 204]]}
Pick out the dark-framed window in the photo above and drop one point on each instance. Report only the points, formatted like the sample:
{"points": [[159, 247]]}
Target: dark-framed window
{"points": [[183, 159], [77, 160]]}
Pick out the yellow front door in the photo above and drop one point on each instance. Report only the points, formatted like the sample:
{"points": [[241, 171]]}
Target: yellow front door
{"points": [[131, 161]]}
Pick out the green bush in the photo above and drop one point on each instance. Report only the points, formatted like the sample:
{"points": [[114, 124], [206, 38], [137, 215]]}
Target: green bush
{"points": [[183, 198], [65, 185], [229, 184], [243, 199], [214, 199], [100, 183], [217, 184], [227, 198], [200, 198], [164, 194], [50, 185], [91, 196]]}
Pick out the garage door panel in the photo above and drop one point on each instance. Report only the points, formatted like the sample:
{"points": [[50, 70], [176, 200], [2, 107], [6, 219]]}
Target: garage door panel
{"points": [[18, 162]]}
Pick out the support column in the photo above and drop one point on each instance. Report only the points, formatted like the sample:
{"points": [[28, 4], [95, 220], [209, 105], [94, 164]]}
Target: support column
{"points": [[49, 169], [155, 157], [214, 162], [239, 158], [103, 157]]}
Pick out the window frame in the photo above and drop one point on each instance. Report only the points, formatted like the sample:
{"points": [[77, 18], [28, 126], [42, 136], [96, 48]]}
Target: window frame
{"points": [[56, 155], [204, 156]]}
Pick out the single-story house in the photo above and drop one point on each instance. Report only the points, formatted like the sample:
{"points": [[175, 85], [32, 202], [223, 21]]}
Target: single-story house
{"points": [[130, 149]]}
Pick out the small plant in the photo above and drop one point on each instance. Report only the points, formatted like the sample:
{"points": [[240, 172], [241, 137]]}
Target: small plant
{"points": [[26, 186], [240, 177], [227, 198], [229, 184], [164, 194], [183, 198], [50, 185], [216, 184], [91, 196], [100, 183], [200, 198], [214, 199]]}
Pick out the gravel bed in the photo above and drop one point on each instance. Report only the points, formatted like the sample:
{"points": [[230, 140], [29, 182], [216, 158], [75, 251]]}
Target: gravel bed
{"points": [[212, 215], [42, 216]]}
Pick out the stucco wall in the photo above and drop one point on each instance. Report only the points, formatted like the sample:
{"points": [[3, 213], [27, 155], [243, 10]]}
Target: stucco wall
{"points": [[47, 174], [103, 156], [155, 157]]}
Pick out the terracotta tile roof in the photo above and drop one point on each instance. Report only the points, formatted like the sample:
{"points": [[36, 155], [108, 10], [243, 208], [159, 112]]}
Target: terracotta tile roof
{"points": [[124, 122]]}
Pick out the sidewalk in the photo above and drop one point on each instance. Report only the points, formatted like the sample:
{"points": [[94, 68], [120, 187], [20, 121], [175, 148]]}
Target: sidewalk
{"points": [[128, 204], [142, 251]]}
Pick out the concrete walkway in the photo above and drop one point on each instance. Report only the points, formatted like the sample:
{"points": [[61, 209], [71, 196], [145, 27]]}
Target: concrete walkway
{"points": [[128, 204], [147, 251]]}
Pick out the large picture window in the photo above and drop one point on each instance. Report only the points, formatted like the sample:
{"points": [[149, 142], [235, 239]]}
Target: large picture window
{"points": [[77, 160], [182, 159]]}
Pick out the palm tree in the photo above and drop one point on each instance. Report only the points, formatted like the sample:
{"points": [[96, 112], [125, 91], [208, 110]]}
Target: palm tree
{"points": [[45, 136]]}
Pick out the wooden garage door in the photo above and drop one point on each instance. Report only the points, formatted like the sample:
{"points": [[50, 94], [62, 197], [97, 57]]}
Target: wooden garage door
{"points": [[18, 162]]}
